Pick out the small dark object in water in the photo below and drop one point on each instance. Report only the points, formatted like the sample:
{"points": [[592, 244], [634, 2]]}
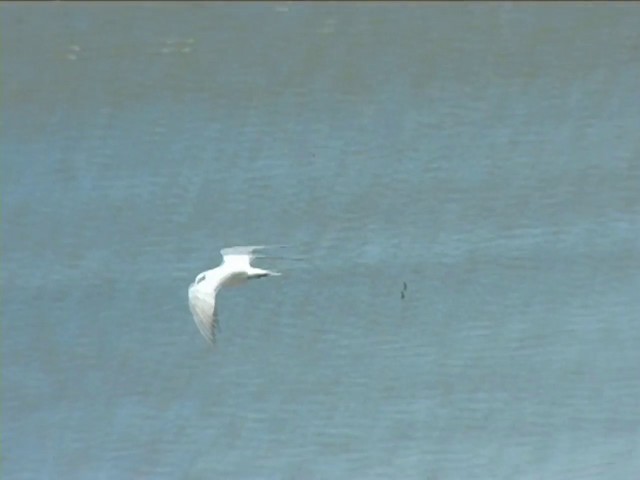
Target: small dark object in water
{"points": [[404, 289]]}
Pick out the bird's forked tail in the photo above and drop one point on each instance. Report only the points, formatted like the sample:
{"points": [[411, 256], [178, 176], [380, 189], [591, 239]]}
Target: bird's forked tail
{"points": [[260, 273]]}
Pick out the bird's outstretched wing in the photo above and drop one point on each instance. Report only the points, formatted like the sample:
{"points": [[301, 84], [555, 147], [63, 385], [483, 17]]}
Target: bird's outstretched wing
{"points": [[243, 254], [246, 250], [202, 303]]}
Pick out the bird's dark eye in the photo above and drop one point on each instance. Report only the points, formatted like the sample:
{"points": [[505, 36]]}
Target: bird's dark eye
{"points": [[200, 279]]}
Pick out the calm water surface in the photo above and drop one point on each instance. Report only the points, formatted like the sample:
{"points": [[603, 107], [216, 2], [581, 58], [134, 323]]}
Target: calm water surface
{"points": [[485, 154]]}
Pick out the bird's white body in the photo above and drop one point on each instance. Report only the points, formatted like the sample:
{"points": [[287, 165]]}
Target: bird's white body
{"points": [[234, 270]]}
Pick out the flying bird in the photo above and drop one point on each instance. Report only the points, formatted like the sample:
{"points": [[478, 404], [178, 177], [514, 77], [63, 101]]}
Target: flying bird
{"points": [[234, 270]]}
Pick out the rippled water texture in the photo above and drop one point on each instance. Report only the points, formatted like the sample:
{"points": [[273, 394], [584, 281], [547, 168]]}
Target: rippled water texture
{"points": [[487, 155]]}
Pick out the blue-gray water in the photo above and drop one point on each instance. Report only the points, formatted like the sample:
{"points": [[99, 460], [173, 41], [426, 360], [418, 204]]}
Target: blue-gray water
{"points": [[486, 154]]}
